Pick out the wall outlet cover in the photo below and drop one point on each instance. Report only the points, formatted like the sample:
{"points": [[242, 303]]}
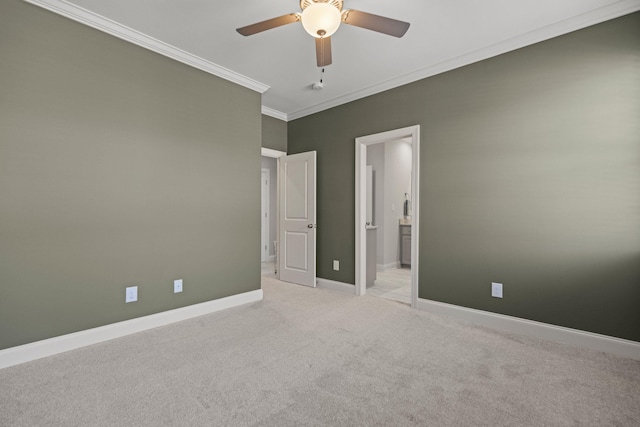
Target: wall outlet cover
{"points": [[336, 265], [496, 290], [177, 286], [131, 294]]}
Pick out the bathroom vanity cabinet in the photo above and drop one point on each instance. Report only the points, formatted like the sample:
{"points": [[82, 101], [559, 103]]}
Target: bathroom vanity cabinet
{"points": [[405, 245]]}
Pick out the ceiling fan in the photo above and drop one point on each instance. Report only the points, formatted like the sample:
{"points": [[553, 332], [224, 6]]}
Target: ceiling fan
{"points": [[321, 18]]}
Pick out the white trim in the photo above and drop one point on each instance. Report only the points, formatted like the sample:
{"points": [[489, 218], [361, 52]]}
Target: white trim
{"points": [[334, 286], [362, 142], [559, 334], [390, 266], [274, 154], [272, 258], [91, 19], [49, 347], [265, 215], [274, 113], [590, 18], [84, 16]]}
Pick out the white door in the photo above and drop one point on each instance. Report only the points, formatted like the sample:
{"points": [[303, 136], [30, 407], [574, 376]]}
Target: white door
{"points": [[264, 249], [297, 246]]}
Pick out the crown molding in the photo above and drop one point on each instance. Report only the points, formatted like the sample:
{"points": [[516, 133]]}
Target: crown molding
{"points": [[86, 17], [606, 13], [274, 113]]}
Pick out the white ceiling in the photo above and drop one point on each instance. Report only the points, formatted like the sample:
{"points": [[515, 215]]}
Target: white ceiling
{"points": [[444, 34]]}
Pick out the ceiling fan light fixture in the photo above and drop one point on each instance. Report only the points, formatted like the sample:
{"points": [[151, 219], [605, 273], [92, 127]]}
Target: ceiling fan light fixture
{"points": [[321, 19]]}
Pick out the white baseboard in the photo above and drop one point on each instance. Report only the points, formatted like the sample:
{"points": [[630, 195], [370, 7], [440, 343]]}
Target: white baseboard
{"points": [[336, 286], [559, 334], [49, 347], [390, 266]]}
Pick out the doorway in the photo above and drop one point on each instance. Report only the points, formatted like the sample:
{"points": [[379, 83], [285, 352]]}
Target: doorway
{"points": [[294, 241], [269, 229], [363, 225]]}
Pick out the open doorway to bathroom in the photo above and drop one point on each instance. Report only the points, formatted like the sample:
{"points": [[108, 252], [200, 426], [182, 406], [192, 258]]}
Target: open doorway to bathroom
{"points": [[387, 181], [389, 213]]}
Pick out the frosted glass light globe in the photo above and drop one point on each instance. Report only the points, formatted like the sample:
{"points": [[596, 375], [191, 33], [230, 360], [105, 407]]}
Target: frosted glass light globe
{"points": [[321, 19]]}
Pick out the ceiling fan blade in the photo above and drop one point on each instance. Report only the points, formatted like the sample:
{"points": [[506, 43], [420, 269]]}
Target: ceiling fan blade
{"points": [[269, 24], [381, 24], [323, 51]]}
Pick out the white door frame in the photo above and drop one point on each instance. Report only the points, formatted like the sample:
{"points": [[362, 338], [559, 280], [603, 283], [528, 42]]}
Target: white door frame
{"points": [[276, 154], [362, 142], [266, 213]]}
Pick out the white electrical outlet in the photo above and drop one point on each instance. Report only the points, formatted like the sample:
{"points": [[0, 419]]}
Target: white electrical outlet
{"points": [[336, 265], [131, 294], [496, 290], [177, 286]]}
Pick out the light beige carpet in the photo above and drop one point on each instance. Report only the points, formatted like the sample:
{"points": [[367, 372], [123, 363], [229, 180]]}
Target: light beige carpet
{"points": [[316, 357]]}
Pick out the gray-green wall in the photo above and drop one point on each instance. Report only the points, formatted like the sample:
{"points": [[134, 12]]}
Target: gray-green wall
{"points": [[274, 133], [530, 176], [118, 167]]}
